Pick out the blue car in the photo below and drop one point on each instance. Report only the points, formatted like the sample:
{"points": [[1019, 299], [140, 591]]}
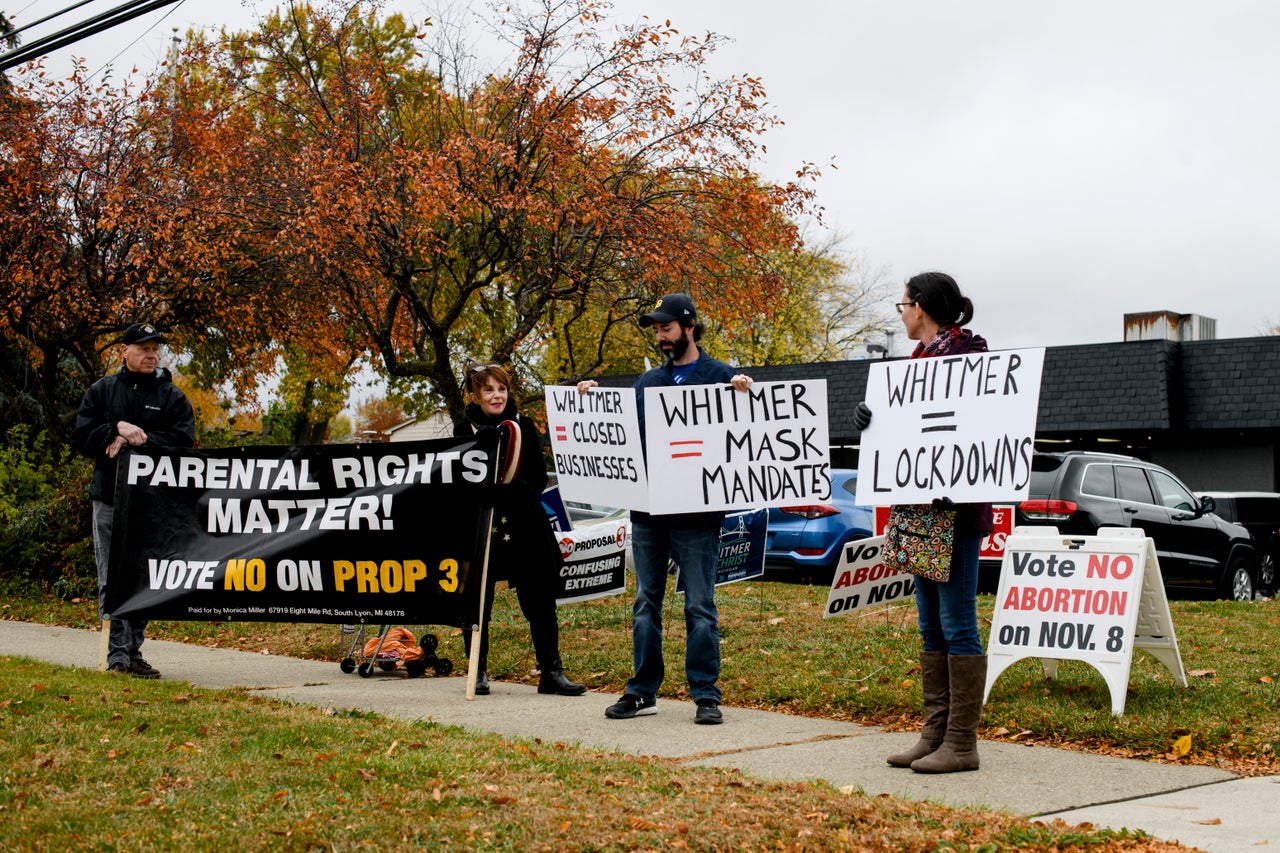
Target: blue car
{"points": [[804, 542]]}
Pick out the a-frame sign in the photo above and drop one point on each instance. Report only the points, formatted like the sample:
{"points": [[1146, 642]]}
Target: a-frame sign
{"points": [[1090, 598]]}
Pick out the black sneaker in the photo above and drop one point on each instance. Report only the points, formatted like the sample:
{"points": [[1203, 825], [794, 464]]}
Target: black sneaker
{"points": [[141, 669], [708, 713], [119, 667], [631, 705]]}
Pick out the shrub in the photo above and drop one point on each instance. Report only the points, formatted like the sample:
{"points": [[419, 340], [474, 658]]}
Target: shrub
{"points": [[46, 530]]}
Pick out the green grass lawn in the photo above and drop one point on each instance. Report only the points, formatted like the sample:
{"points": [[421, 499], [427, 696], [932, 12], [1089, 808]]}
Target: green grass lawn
{"points": [[97, 761], [779, 653]]}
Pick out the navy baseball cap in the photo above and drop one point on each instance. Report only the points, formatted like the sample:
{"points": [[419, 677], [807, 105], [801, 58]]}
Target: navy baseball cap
{"points": [[140, 332], [672, 307]]}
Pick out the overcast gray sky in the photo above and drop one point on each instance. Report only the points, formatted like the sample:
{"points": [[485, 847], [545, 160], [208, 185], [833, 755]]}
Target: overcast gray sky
{"points": [[1066, 162]]}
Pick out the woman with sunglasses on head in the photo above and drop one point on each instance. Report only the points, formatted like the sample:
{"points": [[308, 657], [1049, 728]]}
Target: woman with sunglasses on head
{"points": [[953, 667], [523, 550]]}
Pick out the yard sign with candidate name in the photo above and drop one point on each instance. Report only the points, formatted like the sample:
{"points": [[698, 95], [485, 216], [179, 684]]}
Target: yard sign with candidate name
{"points": [[595, 439], [955, 426], [1088, 598], [742, 541], [743, 536], [711, 447]]}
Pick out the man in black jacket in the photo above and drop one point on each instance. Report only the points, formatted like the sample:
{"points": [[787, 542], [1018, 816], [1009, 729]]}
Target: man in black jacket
{"points": [[137, 405]]}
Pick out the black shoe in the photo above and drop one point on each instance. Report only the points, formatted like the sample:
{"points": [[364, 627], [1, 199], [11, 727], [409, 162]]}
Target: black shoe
{"points": [[119, 667], [708, 713], [141, 669], [482, 684], [553, 680], [631, 705]]}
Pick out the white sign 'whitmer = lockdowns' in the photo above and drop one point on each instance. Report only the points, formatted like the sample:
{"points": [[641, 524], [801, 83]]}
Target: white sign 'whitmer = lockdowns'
{"points": [[955, 426]]}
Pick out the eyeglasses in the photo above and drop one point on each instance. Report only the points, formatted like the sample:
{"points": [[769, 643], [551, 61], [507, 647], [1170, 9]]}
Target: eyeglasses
{"points": [[480, 368], [901, 305]]}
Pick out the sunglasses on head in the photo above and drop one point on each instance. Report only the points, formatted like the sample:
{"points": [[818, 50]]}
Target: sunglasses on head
{"points": [[478, 368]]}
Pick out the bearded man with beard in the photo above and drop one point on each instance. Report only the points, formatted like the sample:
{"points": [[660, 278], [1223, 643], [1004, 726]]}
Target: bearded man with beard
{"points": [[692, 539]]}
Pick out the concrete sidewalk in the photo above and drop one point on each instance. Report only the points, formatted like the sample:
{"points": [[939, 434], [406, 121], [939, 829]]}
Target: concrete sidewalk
{"points": [[1198, 806]]}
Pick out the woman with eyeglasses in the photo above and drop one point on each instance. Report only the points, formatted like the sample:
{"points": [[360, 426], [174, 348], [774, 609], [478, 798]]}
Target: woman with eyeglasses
{"points": [[523, 550], [953, 667]]}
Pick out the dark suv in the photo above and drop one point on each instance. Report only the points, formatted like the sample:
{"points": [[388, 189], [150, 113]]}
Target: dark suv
{"points": [[1078, 492], [1259, 513]]}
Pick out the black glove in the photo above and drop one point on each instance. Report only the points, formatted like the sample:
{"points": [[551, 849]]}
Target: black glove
{"points": [[944, 504], [861, 416]]}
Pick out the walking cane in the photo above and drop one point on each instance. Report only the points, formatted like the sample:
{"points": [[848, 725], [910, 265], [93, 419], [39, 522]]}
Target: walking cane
{"points": [[506, 461]]}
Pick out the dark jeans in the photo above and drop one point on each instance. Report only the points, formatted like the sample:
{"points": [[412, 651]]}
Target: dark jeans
{"points": [[697, 550], [948, 611], [124, 642]]}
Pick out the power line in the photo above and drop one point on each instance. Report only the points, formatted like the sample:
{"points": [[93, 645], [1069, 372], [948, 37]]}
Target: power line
{"points": [[140, 37], [57, 14], [70, 35]]}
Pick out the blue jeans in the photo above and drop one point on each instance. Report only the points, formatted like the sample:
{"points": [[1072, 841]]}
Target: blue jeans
{"points": [[948, 611], [697, 550], [124, 642]]}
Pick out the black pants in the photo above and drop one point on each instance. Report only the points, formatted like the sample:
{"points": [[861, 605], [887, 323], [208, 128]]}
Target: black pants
{"points": [[538, 604]]}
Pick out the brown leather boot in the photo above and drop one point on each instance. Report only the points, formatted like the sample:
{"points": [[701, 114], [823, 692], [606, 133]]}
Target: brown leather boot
{"points": [[936, 686], [959, 750]]}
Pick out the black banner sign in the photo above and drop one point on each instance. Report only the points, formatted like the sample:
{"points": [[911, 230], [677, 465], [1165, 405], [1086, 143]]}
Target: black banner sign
{"points": [[388, 533]]}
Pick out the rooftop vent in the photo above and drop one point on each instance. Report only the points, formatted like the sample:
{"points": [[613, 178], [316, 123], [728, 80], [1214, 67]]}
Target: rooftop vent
{"points": [[1169, 326]]}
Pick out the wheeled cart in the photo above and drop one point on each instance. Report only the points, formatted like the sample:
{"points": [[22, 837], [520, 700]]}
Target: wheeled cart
{"points": [[390, 648]]}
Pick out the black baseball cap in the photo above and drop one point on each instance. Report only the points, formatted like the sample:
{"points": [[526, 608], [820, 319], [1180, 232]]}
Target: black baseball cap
{"points": [[672, 307], [141, 332]]}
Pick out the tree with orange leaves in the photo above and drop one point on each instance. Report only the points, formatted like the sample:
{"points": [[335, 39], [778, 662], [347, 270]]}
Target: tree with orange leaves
{"points": [[73, 272], [316, 192], [433, 216], [377, 415]]}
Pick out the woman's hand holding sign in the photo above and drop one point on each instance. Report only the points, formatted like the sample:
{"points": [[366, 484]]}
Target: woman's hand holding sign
{"points": [[862, 416]]}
